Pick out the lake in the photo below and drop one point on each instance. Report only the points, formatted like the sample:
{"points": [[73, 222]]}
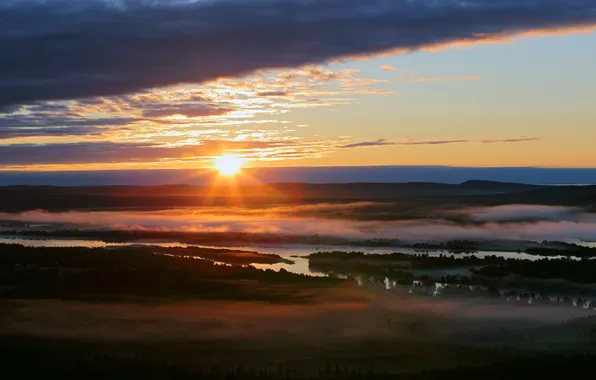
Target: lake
{"points": [[295, 252]]}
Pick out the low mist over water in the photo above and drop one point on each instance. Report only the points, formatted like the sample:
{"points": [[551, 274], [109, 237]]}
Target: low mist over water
{"points": [[506, 222]]}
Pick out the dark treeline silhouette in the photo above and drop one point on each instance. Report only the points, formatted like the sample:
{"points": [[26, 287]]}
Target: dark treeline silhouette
{"points": [[451, 245], [403, 260], [398, 267], [78, 272], [122, 236], [454, 246], [399, 264], [557, 248], [582, 271]]}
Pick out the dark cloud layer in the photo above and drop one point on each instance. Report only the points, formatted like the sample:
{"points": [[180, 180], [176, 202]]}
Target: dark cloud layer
{"points": [[42, 120], [65, 49], [11, 133], [79, 118], [51, 120], [108, 152]]}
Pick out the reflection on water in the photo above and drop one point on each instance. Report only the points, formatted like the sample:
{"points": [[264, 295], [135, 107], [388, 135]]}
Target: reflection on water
{"points": [[509, 294], [300, 266], [295, 252]]}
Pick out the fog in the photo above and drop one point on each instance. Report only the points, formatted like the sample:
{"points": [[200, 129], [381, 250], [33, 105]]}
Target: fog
{"points": [[521, 212], [524, 222], [337, 316]]}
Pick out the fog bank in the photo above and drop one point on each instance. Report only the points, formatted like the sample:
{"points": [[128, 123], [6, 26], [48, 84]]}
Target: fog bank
{"points": [[523, 222]]}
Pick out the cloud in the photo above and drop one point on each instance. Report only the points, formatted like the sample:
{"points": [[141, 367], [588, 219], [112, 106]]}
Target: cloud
{"points": [[379, 142], [62, 49], [388, 68], [177, 125], [181, 148], [385, 142], [184, 112], [317, 73], [272, 93], [12, 133], [443, 78], [521, 139], [190, 110], [108, 152], [431, 142], [41, 119], [376, 92]]}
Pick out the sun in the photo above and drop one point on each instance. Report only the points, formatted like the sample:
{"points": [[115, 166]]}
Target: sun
{"points": [[228, 165]]}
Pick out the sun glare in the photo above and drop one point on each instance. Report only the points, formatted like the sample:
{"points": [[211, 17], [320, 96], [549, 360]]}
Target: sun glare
{"points": [[228, 165]]}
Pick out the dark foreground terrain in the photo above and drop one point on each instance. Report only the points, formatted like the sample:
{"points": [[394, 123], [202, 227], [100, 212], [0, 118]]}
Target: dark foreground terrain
{"points": [[29, 358], [129, 312], [158, 312]]}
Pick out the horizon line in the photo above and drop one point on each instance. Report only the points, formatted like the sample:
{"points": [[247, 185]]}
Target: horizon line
{"points": [[207, 168]]}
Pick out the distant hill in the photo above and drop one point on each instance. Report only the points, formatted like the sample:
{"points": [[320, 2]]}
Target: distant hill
{"points": [[358, 189], [19, 198], [392, 190], [560, 195], [476, 184]]}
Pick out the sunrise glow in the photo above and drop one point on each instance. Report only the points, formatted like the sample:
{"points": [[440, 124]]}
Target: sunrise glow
{"points": [[233, 179], [228, 165]]}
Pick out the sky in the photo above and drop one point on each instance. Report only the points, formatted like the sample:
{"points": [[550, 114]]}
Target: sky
{"points": [[101, 85]]}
